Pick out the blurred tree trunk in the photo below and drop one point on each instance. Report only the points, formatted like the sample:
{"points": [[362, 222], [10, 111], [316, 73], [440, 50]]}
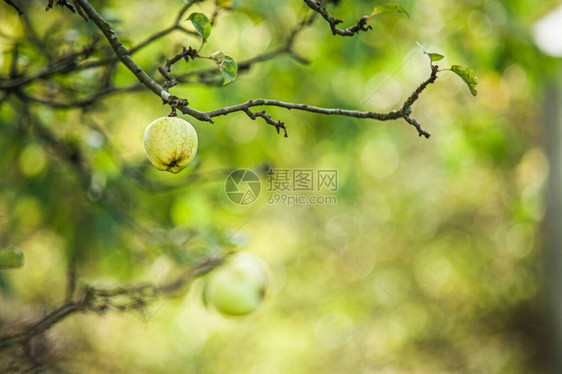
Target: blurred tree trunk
{"points": [[553, 142]]}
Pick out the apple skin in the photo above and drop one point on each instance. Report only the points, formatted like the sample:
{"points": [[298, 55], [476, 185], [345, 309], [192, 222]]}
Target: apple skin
{"points": [[238, 287], [170, 143]]}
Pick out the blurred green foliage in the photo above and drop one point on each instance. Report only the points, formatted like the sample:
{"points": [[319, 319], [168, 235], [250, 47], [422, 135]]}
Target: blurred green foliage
{"points": [[429, 262]]}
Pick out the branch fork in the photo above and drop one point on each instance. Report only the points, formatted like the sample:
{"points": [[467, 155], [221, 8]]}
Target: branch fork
{"points": [[277, 124]]}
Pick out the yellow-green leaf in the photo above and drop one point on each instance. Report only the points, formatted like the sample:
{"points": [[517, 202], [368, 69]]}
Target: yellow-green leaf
{"points": [[435, 56], [228, 69], [390, 8], [201, 23], [468, 76], [432, 55]]}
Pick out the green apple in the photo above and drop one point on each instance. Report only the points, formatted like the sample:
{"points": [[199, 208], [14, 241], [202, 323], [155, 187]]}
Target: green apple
{"points": [[238, 287], [170, 143]]}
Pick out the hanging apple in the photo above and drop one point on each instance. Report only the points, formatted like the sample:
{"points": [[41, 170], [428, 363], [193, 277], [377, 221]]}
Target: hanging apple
{"points": [[170, 143]]}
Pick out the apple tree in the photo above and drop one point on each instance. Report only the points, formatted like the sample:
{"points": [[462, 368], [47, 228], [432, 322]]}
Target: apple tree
{"points": [[64, 64]]}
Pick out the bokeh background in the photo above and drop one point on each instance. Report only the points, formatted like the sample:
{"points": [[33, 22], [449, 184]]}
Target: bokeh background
{"points": [[432, 260]]}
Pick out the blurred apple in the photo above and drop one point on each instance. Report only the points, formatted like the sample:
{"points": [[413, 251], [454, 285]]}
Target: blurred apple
{"points": [[170, 143], [238, 287]]}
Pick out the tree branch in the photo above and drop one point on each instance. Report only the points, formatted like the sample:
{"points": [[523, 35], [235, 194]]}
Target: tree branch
{"points": [[65, 63], [415, 95], [178, 103], [34, 36], [100, 300], [350, 31], [244, 65], [11, 3], [175, 26], [71, 278], [68, 63], [123, 55], [277, 124], [85, 102], [44, 323]]}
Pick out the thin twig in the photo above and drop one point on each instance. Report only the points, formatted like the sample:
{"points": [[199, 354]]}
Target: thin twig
{"points": [[350, 31], [277, 124]]}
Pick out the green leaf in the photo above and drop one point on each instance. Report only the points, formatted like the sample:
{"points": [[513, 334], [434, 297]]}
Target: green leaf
{"points": [[201, 23], [432, 55], [11, 257], [228, 69], [390, 8], [218, 56], [435, 56], [468, 76]]}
